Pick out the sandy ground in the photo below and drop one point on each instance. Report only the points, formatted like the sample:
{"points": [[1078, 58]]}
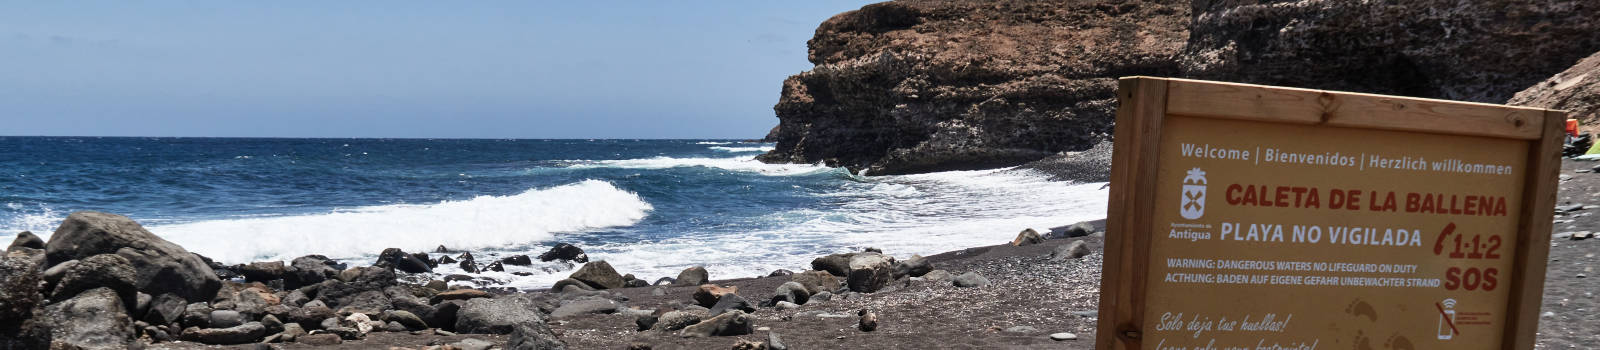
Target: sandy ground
{"points": [[1569, 320]]}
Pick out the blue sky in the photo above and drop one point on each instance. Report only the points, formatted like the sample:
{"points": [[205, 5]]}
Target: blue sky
{"points": [[474, 69]]}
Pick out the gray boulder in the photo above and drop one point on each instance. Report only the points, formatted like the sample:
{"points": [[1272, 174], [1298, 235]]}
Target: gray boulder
{"points": [[240, 334], [727, 324], [160, 266], [196, 315], [1070, 231], [93, 319], [405, 318], [816, 281], [263, 271], [565, 252], [310, 270], [835, 264], [692, 276], [731, 302], [497, 315], [1073, 250], [938, 275], [26, 239], [676, 320], [792, 292], [970, 279], [916, 266], [533, 336], [598, 274], [165, 309], [99, 271], [226, 318], [19, 291], [585, 307], [869, 272]]}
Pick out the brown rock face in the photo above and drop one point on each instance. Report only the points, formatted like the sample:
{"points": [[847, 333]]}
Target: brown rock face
{"points": [[1577, 90], [1482, 51], [919, 86]]}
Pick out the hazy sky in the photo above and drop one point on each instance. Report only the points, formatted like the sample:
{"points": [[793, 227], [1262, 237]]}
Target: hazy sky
{"points": [[481, 69]]}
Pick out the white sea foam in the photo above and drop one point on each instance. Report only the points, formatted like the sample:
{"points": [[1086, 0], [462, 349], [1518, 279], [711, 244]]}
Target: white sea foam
{"points": [[744, 164], [742, 149], [711, 143], [903, 215], [477, 223]]}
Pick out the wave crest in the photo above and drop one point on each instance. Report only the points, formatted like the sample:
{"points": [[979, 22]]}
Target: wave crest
{"points": [[481, 222]]}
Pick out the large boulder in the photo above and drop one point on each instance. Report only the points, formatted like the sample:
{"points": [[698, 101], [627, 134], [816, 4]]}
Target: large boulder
{"points": [[26, 239], [816, 281], [791, 291], [709, 294], [160, 266], [311, 269], [836, 264], [99, 271], [400, 260], [497, 315], [19, 291], [906, 87], [1447, 49], [916, 266], [730, 323], [1576, 90], [94, 319], [339, 293], [263, 271], [565, 252], [692, 276], [240, 334], [870, 272], [599, 274], [533, 336]]}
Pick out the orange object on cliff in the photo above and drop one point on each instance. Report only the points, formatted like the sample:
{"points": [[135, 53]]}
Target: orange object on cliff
{"points": [[1572, 127]]}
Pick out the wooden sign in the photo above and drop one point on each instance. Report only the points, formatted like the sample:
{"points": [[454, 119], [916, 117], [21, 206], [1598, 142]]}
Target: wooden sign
{"points": [[1258, 217]]}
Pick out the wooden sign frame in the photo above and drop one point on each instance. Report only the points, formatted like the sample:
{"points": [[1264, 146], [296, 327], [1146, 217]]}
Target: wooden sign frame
{"points": [[1145, 102]]}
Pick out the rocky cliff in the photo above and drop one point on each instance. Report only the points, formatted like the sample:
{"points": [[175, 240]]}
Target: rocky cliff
{"points": [[931, 85], [919, 86], [1576, 90]]}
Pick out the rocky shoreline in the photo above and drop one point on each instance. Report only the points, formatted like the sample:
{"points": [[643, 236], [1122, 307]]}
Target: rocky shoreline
{"points": [[103, 282]]}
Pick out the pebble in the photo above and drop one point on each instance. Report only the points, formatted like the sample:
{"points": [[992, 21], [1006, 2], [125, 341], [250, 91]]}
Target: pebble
{"points": [[784, 305], [1548, 314], [1022, 329], [1063, 336]]}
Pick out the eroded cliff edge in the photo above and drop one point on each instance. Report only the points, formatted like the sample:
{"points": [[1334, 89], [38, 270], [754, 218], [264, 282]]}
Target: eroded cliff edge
{"points": [[933, 85]]}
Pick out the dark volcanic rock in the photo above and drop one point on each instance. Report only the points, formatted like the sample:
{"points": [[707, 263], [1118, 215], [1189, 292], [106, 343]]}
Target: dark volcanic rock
{"points": [[94, 319], [780, 272], [1074, 250], [99, 271], [565, 252], [1426, 48], [731, 302], [400, 260], [533, 336], [676, 320], [1576, 90], [165, 309], [26, 239], [161, 267], [517, 260], [311, 269], [836, 264], [240, 334], [916, 266], [792, 292], [970, 279], [709, 294], [263, 271], [459, 294], [726, 324], [19, 291], [905, 87], [692, 276], [598, 274]]}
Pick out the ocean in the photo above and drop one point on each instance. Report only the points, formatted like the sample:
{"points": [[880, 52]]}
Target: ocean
{"points": [[648, 207]]}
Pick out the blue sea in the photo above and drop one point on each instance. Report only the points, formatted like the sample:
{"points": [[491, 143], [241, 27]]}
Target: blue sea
{"points": [[649, 207]]}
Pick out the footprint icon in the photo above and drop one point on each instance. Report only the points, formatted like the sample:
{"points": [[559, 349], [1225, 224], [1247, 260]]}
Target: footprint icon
{"points": [[1362, 342], [1398, 342], [1361, 308]]}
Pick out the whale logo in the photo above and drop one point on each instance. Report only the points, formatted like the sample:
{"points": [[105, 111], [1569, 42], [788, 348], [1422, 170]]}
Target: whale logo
{"points": [[1193, 204]]}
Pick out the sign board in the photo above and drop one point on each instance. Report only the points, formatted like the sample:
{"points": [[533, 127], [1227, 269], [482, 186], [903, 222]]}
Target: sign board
{"points": [[1257, 217]]}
